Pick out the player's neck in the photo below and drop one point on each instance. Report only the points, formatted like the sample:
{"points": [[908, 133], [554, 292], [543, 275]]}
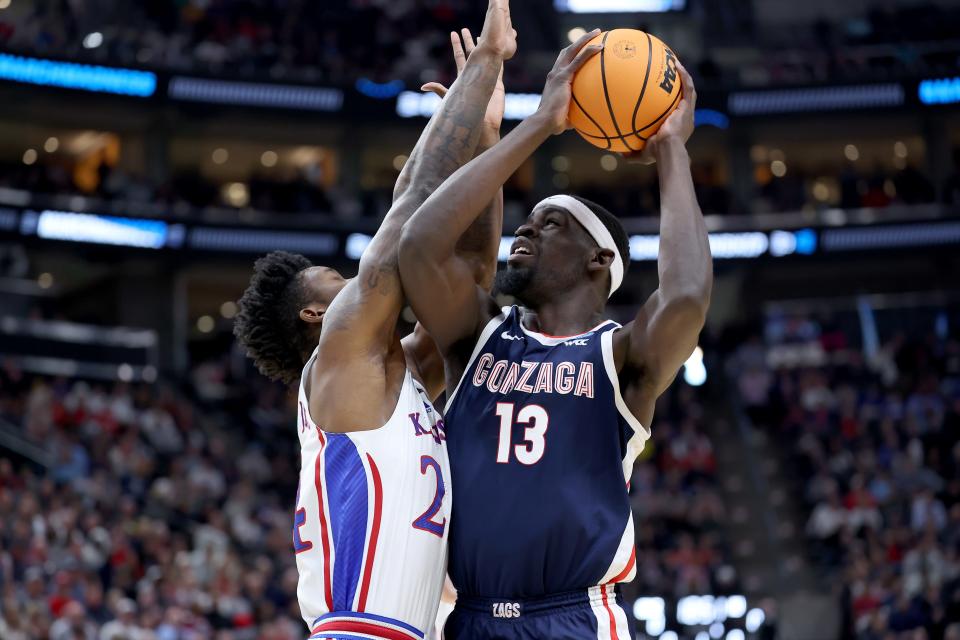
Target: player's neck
{"points": [[569, 315]]}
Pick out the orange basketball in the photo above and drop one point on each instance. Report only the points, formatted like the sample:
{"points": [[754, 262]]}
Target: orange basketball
{"points": [[623, 94]]}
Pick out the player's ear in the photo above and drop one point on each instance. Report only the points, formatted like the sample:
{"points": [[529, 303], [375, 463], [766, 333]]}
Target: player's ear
{"points": [[601, 259], [313, 313]]}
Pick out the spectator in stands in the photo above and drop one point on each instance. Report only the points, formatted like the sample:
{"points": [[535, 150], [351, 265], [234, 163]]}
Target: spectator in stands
{"points": [[73, 624], [879, 434], [164, 519]]}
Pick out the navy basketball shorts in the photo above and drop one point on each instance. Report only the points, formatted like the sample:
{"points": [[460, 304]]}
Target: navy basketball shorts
{"points": [[597, 613]]}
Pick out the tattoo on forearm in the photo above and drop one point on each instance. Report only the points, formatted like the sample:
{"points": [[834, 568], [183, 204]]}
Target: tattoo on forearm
{"points": [[448, 143], [457, 127], [381, 278]]}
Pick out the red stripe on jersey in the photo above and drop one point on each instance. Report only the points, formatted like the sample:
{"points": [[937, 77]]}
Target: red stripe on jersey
{"points": [[327, 589], [547, 335], [576, 335], [623, 574], [374, 533], [613, 622], [348, 626]]}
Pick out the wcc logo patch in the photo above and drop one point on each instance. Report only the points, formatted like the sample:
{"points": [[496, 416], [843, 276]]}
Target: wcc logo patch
{"points": [[669, 71]]}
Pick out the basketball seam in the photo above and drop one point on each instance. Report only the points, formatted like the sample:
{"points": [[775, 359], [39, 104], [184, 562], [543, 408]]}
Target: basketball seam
{"points": [[608, 138], [606, 94], [643, 89], [590, 118], [676, 99]]}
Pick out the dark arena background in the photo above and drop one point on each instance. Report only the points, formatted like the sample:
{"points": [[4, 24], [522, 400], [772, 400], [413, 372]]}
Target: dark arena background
{"points": [[803, 478]]}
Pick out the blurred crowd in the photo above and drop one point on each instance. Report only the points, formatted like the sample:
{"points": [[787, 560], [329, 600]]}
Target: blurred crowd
{"points": [[165, 513], [300, 192], [873, 442], [875, 188], [292, 192], [156, 519], [885, 40], [678, 510], [331, 41]]}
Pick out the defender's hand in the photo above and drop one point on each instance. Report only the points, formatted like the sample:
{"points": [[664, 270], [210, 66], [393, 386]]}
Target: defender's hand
{"points": [[463, 45], [555, 103], [498, 35], [677, 128]]}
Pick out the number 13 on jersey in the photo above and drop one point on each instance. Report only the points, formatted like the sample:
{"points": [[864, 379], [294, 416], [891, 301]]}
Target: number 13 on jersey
{"points": [[536, 419]]}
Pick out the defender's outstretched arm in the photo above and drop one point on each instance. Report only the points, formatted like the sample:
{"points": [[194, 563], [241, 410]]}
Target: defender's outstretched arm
{"points": [[480, 243], [439, 283], [359, 326]]}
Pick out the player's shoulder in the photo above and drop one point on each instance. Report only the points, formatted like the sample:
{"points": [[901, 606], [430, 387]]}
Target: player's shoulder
{"points": [[622, 343]]}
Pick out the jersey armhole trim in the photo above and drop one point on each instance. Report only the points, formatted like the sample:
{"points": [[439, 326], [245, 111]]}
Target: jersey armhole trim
{"points": [[482, 339], [305, 402], [640, 433]]}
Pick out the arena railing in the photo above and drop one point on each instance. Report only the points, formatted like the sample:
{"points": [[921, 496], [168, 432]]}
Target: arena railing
{"points": [[12, 440], [149, 226], [381, 102], [59, 348]]}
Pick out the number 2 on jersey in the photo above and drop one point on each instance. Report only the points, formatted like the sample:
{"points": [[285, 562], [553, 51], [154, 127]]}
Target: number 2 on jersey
{"points": [[426, 522], [534, 441]]}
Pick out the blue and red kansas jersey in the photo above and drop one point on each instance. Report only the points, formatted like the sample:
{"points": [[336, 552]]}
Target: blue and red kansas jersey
{"points": [[541, 449]]}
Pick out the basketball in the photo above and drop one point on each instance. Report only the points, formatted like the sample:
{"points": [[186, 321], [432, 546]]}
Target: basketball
{"points": [[622, 95]]}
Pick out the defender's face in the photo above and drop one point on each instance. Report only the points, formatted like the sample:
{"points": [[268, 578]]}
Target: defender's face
{"points": [[322, 284]]}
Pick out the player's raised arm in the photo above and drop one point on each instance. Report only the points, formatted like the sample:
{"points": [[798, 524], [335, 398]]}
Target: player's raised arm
{"points": [[439, 283], [359, 326], [424, 171], [666, 329], [480, 243]]}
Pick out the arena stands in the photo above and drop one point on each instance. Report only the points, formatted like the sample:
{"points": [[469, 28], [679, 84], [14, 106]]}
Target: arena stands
{"points": [[678, 511], [156, 519], [166, 513], [329, 41], [873, 451], [296, 192]]}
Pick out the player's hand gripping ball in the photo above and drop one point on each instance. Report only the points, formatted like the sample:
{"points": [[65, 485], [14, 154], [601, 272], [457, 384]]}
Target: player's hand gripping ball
{"points": [[623, 95]]}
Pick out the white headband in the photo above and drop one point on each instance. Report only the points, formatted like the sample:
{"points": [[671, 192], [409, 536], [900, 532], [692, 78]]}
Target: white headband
{"points": [[594, 227]]}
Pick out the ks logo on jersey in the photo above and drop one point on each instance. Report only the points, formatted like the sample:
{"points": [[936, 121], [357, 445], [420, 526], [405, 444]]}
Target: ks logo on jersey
{"points": [[437, 431]]}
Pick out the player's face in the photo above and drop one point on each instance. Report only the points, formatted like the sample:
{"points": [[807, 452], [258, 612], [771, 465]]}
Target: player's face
{"points": [[321, 284], [547, 257]]}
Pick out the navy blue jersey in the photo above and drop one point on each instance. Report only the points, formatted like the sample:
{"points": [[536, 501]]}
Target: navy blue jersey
{"points": [[541, 448]]}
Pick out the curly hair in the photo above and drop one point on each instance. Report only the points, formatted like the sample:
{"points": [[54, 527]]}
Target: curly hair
{"points": [[268, 322]]}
